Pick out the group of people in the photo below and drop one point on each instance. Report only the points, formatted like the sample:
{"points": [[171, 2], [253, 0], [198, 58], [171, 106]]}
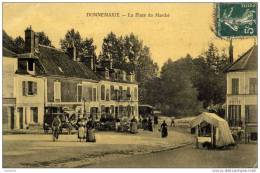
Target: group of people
{"points": [[86, 129]]}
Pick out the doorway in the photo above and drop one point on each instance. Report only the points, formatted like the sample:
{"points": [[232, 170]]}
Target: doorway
{"points": [[20, 114], [12, 117]]}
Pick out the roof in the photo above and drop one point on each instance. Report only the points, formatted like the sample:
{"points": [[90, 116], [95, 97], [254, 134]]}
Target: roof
{"points": [[8, 53], [57, 62], [248, 61]]}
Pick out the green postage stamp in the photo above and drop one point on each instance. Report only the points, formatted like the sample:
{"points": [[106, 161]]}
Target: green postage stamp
{"points": [[236, 19]]}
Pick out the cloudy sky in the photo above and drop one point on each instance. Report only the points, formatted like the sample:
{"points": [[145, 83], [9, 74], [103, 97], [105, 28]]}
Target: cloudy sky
{"points": [[186, 30]]}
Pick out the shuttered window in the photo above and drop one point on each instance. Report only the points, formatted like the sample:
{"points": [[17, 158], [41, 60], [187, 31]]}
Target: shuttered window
{"points": [[252, 86], [94, 94], [234, 115], [29, 88], [235, 86], [57, 91], [251, 113], [103, 92]]}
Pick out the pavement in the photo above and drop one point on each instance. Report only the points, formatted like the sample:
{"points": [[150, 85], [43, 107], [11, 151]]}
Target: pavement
{"points": [[38, 150], [243, 156]]}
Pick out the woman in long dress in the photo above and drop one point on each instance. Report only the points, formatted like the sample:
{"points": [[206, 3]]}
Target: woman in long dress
{"points": [[164, 131]]}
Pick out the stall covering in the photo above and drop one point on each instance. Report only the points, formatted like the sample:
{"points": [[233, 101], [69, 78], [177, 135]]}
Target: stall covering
{"points": [[224, 136]]}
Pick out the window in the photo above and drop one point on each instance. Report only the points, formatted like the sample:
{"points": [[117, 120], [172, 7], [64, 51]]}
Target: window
{"points": [[120, 93], [34, 114], [252, 86], [234, 115], [251, 113], [107, 94], [235, 86], [79, 93], [94, 94], [135, 93], [30, 65], [112, 92], [57, 91], [128, 94], [29, 88], [102, 92]]}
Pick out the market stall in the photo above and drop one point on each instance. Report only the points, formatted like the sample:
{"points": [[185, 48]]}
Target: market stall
{"points": [[218, 134]]}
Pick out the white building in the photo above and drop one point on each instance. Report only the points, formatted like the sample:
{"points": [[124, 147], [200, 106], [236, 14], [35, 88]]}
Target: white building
{"points": [[242, 93]]}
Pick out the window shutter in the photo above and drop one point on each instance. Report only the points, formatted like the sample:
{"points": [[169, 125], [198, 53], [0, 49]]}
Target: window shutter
{"points": [[24, 88], [34, 88]]}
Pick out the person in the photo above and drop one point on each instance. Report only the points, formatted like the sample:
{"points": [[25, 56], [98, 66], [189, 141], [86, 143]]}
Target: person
{"points": [[117, 124], [164, 131], [133, 125], [172, 122], [81, 130], [150, 124], [155, 119], [144, 124], [56, 124], [90, 136]]}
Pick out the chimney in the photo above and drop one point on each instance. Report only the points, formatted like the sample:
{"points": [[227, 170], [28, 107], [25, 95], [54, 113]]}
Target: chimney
{"points": [[231, 58], [29, 40], [72, 53], [90, 62]]}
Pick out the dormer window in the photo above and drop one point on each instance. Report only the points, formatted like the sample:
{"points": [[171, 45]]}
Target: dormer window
{"points": [[107, 74], [30, 66]]}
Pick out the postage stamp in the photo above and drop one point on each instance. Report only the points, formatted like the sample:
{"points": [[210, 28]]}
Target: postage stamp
{"points": [[236, 19]]}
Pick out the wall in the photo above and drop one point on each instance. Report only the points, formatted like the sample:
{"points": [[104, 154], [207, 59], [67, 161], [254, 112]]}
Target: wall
{"points": [[28, 102], [9, 69]]}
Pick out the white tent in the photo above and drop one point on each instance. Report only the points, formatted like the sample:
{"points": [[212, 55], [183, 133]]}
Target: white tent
{"points": [[223, 133]]}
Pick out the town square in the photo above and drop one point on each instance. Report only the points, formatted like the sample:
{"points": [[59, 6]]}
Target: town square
{"points": [[100, 85]]}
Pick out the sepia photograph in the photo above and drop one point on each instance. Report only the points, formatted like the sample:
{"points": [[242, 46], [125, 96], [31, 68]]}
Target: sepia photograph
{"points": [[130, 85]]}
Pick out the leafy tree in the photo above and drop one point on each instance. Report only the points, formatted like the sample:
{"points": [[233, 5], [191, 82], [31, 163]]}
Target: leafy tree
{"points": [[19, 45], [72, 38], [88, 48], [179, 94], [44, 39], [8, 42], [209, 78]]}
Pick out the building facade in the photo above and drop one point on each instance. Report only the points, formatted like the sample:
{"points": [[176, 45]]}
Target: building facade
{"points": [[242, 93], [44, 79]]}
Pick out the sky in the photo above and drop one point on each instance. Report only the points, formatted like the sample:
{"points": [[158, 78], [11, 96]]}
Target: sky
{"points": [[186, 30]]}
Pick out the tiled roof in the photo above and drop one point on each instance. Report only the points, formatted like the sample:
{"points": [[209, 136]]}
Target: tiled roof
{"points": [[8, 53], [248, 61], [57, 62]]}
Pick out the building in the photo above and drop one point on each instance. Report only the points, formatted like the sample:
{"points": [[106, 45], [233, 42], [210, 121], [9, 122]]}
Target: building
{"points": [[45, 79], [242, 93]]}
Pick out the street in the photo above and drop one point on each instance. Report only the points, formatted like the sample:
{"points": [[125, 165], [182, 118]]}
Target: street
{"points": [[40, 151], [245, 156]]}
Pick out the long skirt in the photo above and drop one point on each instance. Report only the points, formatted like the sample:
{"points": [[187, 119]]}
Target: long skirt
{"points": [[90, 137], [133, 127], [164, 132], [81, 133]]}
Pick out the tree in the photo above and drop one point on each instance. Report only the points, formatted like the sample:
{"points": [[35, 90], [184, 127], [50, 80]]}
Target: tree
{"points": [[72, 38], [212, 86], [44, 39], [8, 42], [88, 49], [19, 45], [179, 94], [112, 49]]}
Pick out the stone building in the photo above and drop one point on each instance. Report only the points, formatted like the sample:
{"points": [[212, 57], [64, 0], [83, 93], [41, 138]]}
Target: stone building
{"points": [[44, 79], [242, 93]]}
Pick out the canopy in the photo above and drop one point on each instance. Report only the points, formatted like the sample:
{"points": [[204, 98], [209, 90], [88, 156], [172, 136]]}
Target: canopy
{"points": [[223, 136]]}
